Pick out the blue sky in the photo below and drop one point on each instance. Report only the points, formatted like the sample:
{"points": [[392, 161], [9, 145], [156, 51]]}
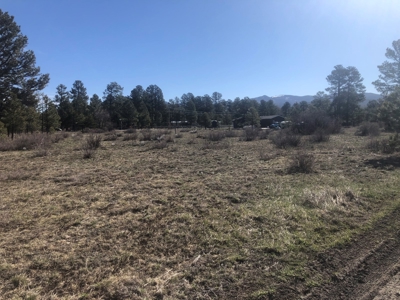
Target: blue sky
{"points": [[236, 47]]}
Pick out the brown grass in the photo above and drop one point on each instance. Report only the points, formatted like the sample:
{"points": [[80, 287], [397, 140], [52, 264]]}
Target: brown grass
{"points": [[181, 222]]}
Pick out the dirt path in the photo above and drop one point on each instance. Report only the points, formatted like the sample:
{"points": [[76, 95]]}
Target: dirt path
{"points": [[367, 269]]}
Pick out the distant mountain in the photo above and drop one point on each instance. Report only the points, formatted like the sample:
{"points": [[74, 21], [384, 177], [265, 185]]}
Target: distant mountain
{"points": [[281, 99]]}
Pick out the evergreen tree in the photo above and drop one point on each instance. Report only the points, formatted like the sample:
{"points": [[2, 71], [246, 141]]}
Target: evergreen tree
{"points": [[191, 113], [65, 109], [390, 71], [20, 79], [285, 109], [252, 117], [347, 91], [79, 101], [144, 116], [129, 113], [113, 100], [155, 103], [13, 115]]}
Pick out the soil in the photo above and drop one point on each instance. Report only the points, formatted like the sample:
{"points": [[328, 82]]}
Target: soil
{"points": [[367, 268]]}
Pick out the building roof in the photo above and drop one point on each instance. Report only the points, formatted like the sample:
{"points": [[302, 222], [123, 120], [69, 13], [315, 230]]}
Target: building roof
{"points": [[270, 117]]}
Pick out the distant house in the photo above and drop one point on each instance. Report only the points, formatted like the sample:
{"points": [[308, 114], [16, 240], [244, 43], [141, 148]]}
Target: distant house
{"points": [[238, 122], [266, 121], [214, 123]]}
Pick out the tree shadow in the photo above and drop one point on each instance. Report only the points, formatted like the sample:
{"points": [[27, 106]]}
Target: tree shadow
{"points": [[386, 163]]}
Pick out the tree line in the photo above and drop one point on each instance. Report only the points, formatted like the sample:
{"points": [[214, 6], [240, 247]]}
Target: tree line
{"points": [[23, 108]]}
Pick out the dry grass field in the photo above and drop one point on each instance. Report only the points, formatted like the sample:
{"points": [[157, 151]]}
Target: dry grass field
{"points": [[183, 217]]}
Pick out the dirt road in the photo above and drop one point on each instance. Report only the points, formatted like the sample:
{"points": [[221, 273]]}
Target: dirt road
{"points": [[367, 269]]}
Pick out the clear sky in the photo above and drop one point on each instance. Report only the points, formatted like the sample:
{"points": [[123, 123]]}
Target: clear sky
{"points": [[236, 47]]}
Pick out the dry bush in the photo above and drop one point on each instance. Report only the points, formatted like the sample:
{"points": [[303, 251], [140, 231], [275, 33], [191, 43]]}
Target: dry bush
{"points": [[249, 134], [110, 136], [21, 142], [178, 135], [368, 129], [231, 133], [207, 144], [130, 136], [90, 145], [285, 139], [215, 135], [319, 136], [160, 145], [302, 162], [147, 135], [309, 122], [263, 134], [130, 130], [168, 139], [267, 154], [93, 141], [387, 146], [374, 145], [43, 146]]}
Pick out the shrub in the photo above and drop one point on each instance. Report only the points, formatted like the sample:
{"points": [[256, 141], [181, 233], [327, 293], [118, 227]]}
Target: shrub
{"points": [[90, 145], [319, 136], [146, 135], [249, 134], [160, 144], [302, 163], [93, 141], [43, 146], [387, 146], [207, 144], [285, 139], [309, 122], [110, 136], [368, 128], [231, 133], [22, 142], [263, 134], [374, 145], [130, 130], [130, 136], [266, 154], [215, 135]]}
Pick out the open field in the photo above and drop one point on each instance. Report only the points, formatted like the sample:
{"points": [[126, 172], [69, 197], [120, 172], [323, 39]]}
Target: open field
{"points": [[188, 218]]}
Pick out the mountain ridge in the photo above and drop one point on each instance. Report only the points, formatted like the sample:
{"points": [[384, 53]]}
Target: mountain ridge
{"points": [[281, 99]]}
